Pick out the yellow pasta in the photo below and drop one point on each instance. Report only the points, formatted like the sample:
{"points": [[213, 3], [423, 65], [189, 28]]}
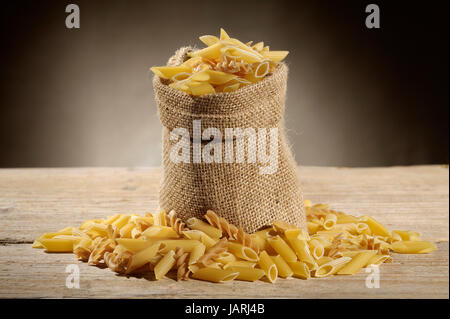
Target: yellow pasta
{"points": [[171, 244], [378, 260], [331, 267], [376, 227], [225, 257], [53, 245], [195, 223], [215, 274], [413, 247], [270, 269], [164, 265], [200, 236], [283, 268], [280, 246], [135, 245], [330, 221], [197, 251], [316, 248], [335, 244], [357, 262], [300, 270], [242, 251], [143, 257], [156, 231], [239, 263], [247, 273], [301, 248]]}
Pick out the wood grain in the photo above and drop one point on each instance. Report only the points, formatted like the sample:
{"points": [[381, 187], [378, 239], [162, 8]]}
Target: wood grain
{"points": [[33, 201]]}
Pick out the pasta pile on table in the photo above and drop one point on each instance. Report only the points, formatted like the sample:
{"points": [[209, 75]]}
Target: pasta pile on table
{"points": [[215, 250], [225, 65]]}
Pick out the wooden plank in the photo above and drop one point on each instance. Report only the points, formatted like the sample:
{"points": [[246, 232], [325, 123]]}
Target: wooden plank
{"points": [[33, 201]]}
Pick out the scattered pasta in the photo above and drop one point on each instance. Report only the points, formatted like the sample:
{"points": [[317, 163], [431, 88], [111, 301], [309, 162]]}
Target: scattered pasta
{"points": [[215, 250], [225, 65]]}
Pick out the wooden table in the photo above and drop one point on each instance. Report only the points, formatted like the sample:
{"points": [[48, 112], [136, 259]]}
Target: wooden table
{"points": [[34, 201]]}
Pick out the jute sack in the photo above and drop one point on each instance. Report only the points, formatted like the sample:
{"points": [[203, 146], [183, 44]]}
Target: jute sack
{"points": [[236, 191]]}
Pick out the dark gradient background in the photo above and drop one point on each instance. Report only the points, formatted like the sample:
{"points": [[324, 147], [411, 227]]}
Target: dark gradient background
{"points": [[356, 96]]}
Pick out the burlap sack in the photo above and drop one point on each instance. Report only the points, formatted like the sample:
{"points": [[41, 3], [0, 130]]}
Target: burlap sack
{"points": [[235, 191]]}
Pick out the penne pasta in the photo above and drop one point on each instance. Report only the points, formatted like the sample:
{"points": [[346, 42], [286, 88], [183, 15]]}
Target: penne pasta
{"points": [[331, 267], [301, 248], [283, 268], [282, 248], [164, 265], [242, 251], [247, 273], [239, 263], [143, 257], [413, 247], [378, 260], [215, 274], [270, 269], [357, 262], [300, 270], [156, 231], [54, 245], [197, 251], [376, 227], [197, 224]]}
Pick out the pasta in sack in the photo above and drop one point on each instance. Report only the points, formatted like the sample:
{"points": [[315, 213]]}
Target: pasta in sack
{"points": [[250, 191]]}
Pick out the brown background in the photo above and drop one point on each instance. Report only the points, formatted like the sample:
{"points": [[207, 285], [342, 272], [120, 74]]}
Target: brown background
{"points": [[356, 97]]}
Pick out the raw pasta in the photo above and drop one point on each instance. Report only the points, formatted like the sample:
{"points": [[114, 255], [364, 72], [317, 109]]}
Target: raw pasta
{"points": [[217, 251]]}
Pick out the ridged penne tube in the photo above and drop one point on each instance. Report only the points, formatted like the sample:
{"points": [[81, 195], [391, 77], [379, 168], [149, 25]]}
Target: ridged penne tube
{"points": [[362, 228], [242, 251], [167, 72], [262, 69], [357, 262], [200, 236], [332, 267], [111, 219], [282, 248], [378, 260], [346, 219], [225, 257], [411, 247], [196, 252], [324, 260], [143, 257], [407, 235], [53, 245], [247, 273], [275, 56], [316, 248], [195, 223], [270, 269], [209, 40], [312, 227], [297, 233], [156, 231], [218, 77], [330, 221], [231, 88], [215, 274], [300, 270], [164, 265], [376, 227], [171, 244], [239, 263], [259, 241], [283, 268], [125, 231], [121, 221], [301, 248]]}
